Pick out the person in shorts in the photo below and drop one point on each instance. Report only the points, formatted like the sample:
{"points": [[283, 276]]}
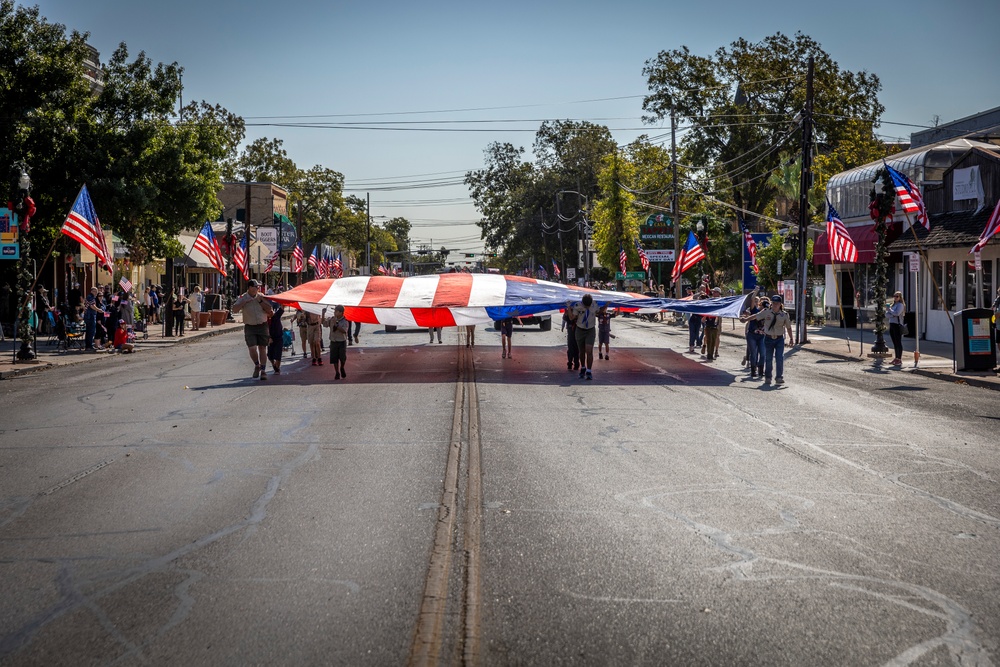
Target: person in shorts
{"points": [[584, 313], [604, 332], [256, 309], [506, 328], [340, 333]]}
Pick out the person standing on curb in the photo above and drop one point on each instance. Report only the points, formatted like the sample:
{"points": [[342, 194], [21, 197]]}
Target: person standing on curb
{"points": [[195, 302], [340, 332], [895, 314], [776, 324], [256, 309], [90, 313]]}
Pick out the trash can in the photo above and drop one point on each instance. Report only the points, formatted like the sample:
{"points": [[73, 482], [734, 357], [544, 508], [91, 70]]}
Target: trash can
{"points": [[975, 340]]}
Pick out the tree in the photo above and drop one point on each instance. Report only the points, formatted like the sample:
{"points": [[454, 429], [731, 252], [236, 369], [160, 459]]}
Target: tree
{"points": [[615, 221], [263, 161], [739, 106]]}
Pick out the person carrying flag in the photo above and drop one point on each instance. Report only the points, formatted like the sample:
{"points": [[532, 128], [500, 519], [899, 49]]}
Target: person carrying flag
{"points": [[584, 313], [776, 324], [256, 309]]}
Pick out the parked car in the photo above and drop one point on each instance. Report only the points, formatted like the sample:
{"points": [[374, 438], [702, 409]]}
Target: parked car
{"points": [[544, 322]]}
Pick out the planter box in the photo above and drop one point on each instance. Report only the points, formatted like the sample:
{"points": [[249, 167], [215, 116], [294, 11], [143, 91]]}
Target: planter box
{"points": [[203, 318], [218, 317]]}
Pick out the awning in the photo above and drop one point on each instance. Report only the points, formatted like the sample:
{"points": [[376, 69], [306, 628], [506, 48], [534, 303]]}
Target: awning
{"points": [[865, 238]]}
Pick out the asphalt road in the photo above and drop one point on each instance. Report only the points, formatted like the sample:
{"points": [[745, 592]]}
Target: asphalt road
{"points": [[444, 505]]}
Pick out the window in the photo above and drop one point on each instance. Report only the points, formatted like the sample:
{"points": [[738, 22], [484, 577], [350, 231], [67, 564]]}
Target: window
{"points": [[970, 283], [945, 276]]}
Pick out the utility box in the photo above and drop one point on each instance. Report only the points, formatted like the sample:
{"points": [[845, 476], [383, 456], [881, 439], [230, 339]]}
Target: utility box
{"points": [[975, 340]]}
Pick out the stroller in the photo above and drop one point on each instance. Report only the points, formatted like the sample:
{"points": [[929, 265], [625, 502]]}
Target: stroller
{"points": [[287, 338]]}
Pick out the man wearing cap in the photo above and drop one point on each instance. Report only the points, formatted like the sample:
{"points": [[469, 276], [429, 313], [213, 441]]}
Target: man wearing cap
{"points": [[256, 309], [776, 323]]}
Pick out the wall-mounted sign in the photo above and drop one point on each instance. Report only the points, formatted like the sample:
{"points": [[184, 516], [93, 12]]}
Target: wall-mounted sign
{"points": [[10, 246], [660, 255], [658, 226]]}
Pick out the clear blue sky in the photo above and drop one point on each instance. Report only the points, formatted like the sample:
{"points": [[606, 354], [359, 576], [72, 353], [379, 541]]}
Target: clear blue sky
{"points": [[545, 59]]}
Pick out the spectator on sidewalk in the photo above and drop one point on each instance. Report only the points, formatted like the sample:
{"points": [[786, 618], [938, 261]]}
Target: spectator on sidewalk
{"points": [[177, 305], [895, 314], [195, 303], [90, 314], [121, 343]]}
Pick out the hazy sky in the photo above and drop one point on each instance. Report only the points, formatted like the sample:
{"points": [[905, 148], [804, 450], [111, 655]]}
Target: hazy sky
{"points": [[366, 62]]}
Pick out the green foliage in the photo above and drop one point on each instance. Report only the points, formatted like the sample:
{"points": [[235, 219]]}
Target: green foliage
{"points": [[768, 255], [263, 161], [738, 132], [616, 225]]}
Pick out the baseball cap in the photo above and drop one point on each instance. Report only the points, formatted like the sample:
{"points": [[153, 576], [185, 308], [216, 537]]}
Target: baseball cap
{"points": [[777, 299], [253, 283]]}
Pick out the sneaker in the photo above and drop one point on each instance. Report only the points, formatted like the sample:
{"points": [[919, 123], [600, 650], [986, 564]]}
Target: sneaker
{"points": [[319, 362], [356, 342], [569, 365], [313, 362], [337, 376], [277, 371], [439, 341], [582, 373], [263, 374], [343, 374], [256, 372], [600, 356], [767, 380], [779, 380], [753, 376], [691, 350], [589, 376]]}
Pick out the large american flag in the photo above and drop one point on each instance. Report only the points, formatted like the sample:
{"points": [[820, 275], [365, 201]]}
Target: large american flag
{"points": [[992, 227], [240, 257], [314, 260], [208, 245], [297, 257], [751, 244], [643, 257], [691, 254], [842, 248], [83, 226], [338, 267], [622, 258], [909, 196]]}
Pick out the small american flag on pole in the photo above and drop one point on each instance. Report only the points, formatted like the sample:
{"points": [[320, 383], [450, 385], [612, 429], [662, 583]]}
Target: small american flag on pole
{"points": [[83, 226], [338, 267], [297, 258], [643, 257], [751, 244], [240, 258], [126, 284], [909, 196], [691, 254], [992, 227], [622, 258], [207, 245], [842, 248]]}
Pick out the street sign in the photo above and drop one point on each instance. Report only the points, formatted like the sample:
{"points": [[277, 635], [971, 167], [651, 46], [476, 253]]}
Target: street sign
{"points": [[631, 275], [914, 263], [10, 246], [570, 273], [660, 255], [979, 261]]}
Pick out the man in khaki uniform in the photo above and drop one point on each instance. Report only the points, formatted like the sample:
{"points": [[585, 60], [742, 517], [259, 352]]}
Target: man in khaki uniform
{"points": [[776, 323], [256, 311]]}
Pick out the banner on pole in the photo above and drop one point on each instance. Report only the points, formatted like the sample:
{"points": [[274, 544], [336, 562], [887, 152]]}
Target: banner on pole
{"points": [[10, 244]]}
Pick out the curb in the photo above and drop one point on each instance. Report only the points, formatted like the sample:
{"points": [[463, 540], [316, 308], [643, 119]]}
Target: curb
{"points": [[42, 366]]}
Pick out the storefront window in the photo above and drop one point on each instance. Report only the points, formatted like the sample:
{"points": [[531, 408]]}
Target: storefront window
{"points": [[970, 284], [945, 275]]}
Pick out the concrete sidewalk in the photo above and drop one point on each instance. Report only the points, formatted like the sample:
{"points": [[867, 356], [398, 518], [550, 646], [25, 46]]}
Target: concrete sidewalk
{"points": [[936, 359], [51, 354]]}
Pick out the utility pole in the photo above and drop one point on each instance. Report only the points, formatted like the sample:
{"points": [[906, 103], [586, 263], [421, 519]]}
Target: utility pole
{"points": [[804, 185], [298, 234], [368, 245], [674, 213]]}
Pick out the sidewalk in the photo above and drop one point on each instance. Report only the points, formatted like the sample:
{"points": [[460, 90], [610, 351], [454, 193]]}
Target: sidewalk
{"points": [[51, 355], [936, 359]]}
